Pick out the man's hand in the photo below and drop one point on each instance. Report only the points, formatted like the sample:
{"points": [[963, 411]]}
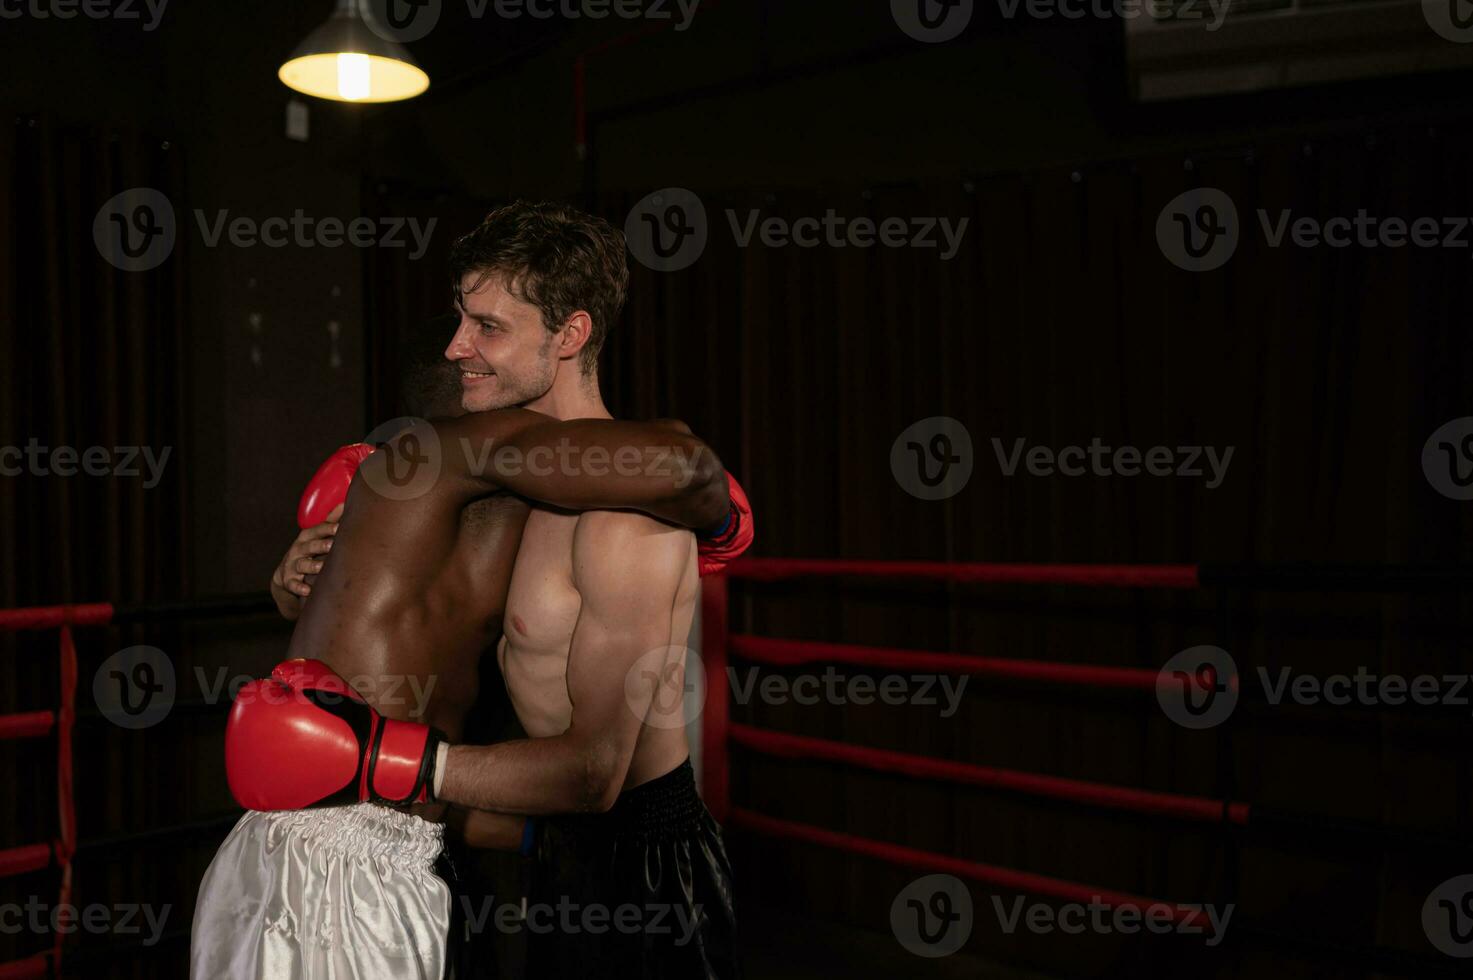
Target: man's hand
{"points": [[485, 830], [291, 583]]}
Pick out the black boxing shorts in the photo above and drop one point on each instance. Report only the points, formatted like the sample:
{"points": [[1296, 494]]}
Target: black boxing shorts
{"points": [[643, 890]]}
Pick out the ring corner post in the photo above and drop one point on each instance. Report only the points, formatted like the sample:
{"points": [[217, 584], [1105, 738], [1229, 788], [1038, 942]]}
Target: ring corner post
{"points": [[716, 777]]}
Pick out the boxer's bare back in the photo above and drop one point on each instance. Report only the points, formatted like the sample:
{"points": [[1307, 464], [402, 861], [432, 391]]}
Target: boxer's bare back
{"points": [[411, 595]]}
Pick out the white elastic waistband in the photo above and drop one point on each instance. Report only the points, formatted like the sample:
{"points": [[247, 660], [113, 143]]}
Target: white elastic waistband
{"points": [[363, 830]]}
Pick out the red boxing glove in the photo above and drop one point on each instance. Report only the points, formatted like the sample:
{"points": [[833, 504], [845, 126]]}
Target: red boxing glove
{"points": [[305, 738], [329, 485], [721, 546]]}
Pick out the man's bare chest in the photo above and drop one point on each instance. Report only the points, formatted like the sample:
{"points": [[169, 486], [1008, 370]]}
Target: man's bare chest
{"points": [[542, 604]]}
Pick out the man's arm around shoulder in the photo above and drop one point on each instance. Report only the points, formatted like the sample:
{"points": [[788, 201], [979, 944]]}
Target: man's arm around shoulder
{"points": [[657, 468]]}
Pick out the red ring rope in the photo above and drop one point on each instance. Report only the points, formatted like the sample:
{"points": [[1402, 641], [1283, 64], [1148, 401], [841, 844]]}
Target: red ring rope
{"points": [[787, 653], [1118, 576], [1150, 802], [24, 859], [30, 724], [1007, 878], [719, 732], [50, 617], [32, 968]]}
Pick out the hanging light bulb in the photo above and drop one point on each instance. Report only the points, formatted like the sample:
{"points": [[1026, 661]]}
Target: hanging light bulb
{"points": [[347, 60]]}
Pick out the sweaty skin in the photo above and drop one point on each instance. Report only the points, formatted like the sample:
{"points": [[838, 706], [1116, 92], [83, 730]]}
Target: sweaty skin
{"points": [[414, 589]]}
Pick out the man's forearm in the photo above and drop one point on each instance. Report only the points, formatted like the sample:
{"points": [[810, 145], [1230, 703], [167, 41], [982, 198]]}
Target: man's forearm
{"points": [[488, 830], [531, 777], [601, 464]]}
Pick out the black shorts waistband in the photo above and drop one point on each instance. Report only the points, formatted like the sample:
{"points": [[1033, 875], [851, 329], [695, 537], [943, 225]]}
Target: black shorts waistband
{"points": [[665, 806], [671, 797]]}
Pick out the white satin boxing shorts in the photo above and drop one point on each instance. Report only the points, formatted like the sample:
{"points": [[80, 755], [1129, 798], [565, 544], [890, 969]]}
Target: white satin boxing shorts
{"points": [[337, 893]]}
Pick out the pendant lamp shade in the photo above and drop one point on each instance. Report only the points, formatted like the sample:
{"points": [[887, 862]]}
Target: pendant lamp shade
{"points": [[348, 61]]}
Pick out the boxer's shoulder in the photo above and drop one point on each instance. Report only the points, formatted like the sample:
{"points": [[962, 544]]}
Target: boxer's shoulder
{"points": [[613, 527], [627, 546]]}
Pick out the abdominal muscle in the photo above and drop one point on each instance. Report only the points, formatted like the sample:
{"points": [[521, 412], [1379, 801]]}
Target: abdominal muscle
{"points": [[537, 683]]}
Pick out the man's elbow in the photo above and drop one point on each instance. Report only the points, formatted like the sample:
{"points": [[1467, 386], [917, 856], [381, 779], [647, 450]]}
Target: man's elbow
{"points": [[706, 489], [603, 780], [601, 801]]}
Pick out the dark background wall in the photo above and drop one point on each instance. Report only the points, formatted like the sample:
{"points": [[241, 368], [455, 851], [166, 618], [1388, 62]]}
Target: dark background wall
{"points": [[1059, 321]]}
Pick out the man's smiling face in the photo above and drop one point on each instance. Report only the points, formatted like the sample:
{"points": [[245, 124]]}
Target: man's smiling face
{"points": [[505, 353]]}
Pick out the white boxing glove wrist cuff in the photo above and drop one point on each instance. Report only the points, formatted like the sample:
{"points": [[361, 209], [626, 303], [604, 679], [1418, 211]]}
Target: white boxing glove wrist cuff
{"points": [[442, 751]]}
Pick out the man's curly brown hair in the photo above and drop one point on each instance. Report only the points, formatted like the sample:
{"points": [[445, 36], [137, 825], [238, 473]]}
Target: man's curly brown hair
{"points": [[553, 256]]}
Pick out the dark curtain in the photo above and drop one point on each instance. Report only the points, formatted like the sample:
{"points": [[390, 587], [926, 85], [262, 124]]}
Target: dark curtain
{"points": [[1060, 321], [403, 293], [92, 357]]}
